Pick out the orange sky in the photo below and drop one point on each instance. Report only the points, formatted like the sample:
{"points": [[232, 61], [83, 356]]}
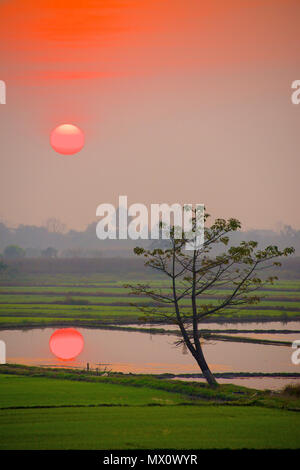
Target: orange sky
{"points": [[101, 37], [180, 100]]}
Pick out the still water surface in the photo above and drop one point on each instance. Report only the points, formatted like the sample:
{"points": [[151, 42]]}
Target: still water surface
{"points": [[144, 353]]}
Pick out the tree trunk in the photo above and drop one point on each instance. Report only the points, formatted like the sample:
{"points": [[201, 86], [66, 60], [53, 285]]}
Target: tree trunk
{"points": [[199, 356], [197, 353], [195, 349]]}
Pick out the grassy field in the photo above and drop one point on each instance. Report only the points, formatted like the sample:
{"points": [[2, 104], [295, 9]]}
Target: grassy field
{"points": [[94, 300], [49, 409], [146, 428], [17, 391]]}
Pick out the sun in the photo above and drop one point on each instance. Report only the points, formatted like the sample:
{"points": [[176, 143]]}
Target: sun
{"points": [[66, 343], [67, 139]]}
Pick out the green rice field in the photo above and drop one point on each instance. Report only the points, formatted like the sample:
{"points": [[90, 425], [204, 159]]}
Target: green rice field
{"points": [[46, 409], [95, 300]]}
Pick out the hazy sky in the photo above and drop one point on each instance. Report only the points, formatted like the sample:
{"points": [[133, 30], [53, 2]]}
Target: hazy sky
{"points": [[180, 101]]}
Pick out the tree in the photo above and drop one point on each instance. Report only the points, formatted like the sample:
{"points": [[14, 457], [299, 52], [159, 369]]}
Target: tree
{"points": [[197, 273], [3, 266], [49, 252], [14, 251], [54, 225]]}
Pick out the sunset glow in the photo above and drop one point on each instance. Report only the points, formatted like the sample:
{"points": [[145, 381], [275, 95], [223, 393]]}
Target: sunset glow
{"points": [[66, 343], [149, 81]]}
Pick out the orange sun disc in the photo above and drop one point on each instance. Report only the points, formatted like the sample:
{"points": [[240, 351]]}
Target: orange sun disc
{"points": [[67, 139], [66, 343]]}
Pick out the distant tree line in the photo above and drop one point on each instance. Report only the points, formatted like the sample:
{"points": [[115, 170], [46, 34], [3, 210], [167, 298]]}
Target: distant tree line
{"points": [[121, 266], [53, 240]]}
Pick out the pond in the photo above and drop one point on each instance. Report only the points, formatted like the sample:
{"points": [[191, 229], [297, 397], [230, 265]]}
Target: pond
{"points": [[139, 352]]}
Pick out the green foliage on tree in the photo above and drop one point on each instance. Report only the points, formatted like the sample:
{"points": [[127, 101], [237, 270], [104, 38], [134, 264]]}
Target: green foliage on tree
{"points": [[14, 251], [3, 266], [49, 252]]}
